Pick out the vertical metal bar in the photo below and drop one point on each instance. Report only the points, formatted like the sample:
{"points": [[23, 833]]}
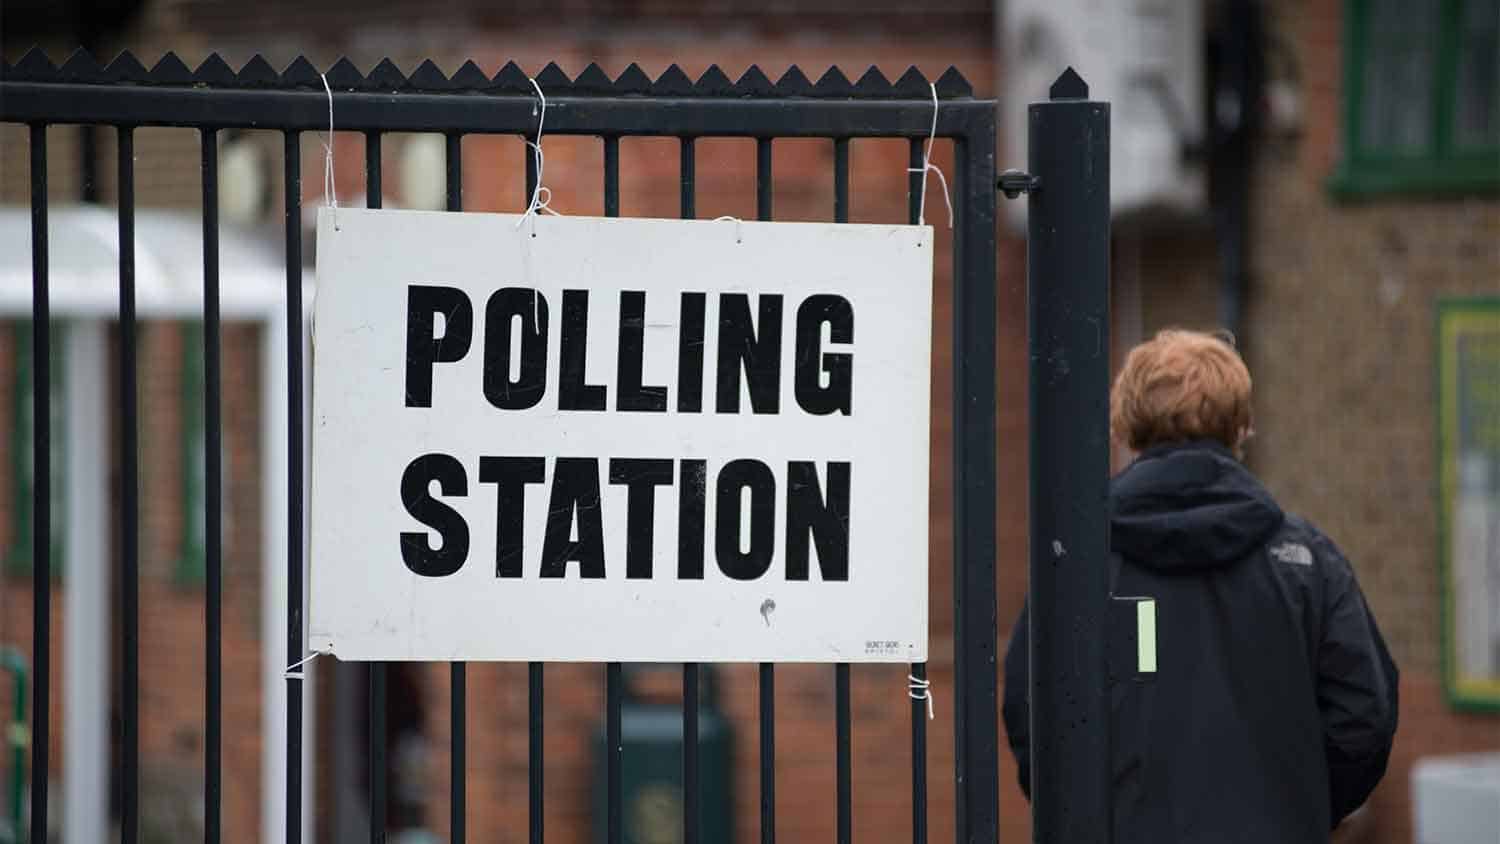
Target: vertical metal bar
{"points": [[41, 489], [378, 752], [613, 682], [1067, 279], [88, 162], [976, 673], [454, 160], [914, 160], [688, 173], [767, 670], [534, 749], [531, 167], [130, 681], [458, 680], [844, 787], [691, 778], [373, 187], [292, 186], [767, 753], [458, 757], [763, 178], [213, 498], [841, 180], [613, 694], [535, 692], [377, 671], [457, 764], [919, 759], [918, 670], [612, 176]]}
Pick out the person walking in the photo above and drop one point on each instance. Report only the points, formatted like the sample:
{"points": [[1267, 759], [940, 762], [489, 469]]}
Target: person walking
{"points": [[1273, 706]]}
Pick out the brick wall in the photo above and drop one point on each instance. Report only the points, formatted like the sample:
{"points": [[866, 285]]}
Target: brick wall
{"points": [[1343, 352], [1340, 343]]}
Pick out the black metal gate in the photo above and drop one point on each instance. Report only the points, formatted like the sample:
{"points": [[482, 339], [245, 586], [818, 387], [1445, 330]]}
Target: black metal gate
{"points": [[214, 98]]}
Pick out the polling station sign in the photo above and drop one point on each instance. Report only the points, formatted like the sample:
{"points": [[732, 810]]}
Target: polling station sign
{"points": [[573, 438]]}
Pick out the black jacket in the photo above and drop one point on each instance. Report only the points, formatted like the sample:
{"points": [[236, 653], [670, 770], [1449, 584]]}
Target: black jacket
{"points": [[1272, 710]]}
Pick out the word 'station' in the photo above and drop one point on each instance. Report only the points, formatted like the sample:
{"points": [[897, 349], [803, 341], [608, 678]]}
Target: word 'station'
{"points": [[619, 440]]}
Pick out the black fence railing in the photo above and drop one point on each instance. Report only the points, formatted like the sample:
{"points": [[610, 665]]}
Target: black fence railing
{"points": [[214, 98]]}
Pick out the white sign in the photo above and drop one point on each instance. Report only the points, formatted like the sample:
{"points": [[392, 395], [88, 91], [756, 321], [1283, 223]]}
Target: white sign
{"points": [[619, 440]]}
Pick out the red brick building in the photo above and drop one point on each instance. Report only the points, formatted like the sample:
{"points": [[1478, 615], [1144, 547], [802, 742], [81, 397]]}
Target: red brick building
{"points": [[1337, 327]]}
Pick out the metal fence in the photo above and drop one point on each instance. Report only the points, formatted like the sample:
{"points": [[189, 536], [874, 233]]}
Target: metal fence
{"points": [[125, 95], [214, 98]]}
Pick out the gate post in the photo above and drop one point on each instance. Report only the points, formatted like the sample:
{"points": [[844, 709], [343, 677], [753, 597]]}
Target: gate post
{"points": [[1067, 279], [976, 728]]}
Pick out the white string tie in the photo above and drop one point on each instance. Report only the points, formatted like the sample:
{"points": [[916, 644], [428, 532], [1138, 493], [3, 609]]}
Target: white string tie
{"points": [[919, 689], [928, 166], [541, 196], [739, 226], [330, 188], [292, 672]]}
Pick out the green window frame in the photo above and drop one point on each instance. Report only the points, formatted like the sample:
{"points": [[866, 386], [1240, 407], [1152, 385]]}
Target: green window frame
{"points": [[1468, 438], [1443, 57], [18, 560]]}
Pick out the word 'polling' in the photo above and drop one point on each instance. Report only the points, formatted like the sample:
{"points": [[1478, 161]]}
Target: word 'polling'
{"points": [[440, 330]]}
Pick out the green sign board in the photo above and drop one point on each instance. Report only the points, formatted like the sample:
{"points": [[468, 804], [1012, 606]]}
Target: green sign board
{"points": [[1469, 498]]}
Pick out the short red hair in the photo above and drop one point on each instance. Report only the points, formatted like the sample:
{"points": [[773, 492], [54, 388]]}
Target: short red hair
{"points": [[1181, 386]]}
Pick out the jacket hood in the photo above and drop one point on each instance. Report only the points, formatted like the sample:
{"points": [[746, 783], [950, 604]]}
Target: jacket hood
{"points": [[1189, 507]]}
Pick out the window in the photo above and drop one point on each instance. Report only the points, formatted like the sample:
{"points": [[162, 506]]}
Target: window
{"points": [[18, 557], [1421, 97]]}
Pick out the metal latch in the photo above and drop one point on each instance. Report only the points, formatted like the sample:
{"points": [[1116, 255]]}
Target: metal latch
{"points": [[1013, 183]]}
